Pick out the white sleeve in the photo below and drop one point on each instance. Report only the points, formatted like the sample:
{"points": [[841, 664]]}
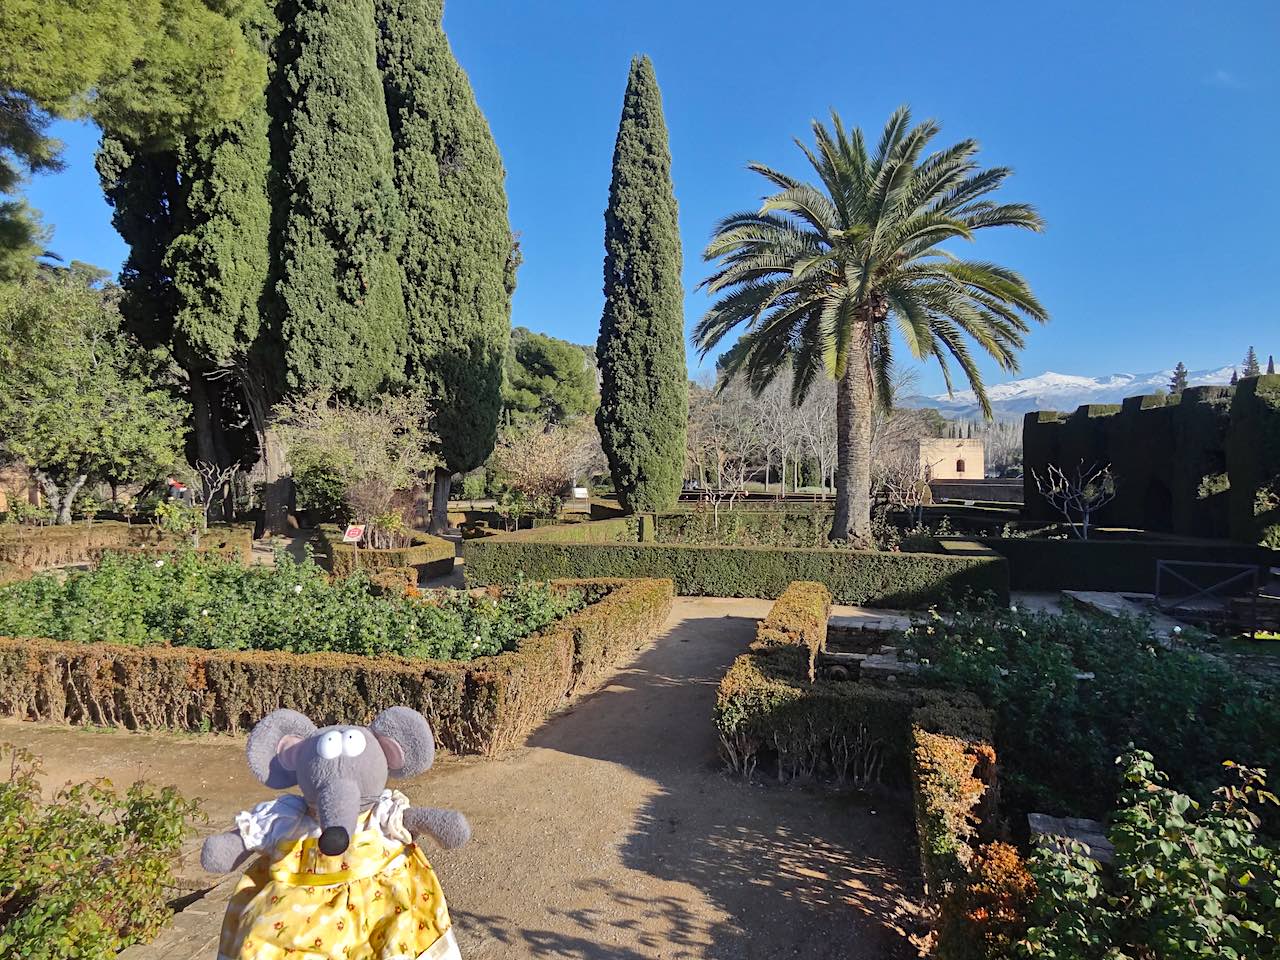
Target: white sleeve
{"points": [[273, 821], [388, 816]]}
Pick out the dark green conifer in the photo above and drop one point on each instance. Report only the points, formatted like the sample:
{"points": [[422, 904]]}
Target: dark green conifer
{"points": [[1271, 365], [1251, 366], [644, 396], [342, 316], [459, 263], [1178, 382]]}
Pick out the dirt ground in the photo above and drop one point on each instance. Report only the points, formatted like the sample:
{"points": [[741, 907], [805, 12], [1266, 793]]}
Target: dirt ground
{"points": [[611, 833]]}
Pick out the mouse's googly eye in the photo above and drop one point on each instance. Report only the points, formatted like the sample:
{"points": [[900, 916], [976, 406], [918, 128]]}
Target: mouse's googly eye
{"points": [[353, 743], [330, 745]]}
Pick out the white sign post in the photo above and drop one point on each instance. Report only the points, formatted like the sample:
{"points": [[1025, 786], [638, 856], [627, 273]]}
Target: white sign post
{"points": [[353, 535]]}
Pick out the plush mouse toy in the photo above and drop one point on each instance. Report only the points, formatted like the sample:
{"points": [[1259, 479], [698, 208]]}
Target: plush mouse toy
{"points": [[339, 874]]}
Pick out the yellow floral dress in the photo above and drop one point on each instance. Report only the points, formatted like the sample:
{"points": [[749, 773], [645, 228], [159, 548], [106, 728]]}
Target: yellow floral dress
{"points": [[380, 900]]}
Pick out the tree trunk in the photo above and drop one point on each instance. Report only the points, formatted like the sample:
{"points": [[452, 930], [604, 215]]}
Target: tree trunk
{"points": [[440, 501], [277, 489], [60, 501], [852, 520], [206, 416]]}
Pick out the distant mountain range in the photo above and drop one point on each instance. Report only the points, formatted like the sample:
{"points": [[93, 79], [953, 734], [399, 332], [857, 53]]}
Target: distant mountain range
{"points": [[1061, 391]]}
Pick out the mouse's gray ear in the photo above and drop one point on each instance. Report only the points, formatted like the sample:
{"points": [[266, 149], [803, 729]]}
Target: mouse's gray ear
{"points": [[406, 739], [273, 746]]}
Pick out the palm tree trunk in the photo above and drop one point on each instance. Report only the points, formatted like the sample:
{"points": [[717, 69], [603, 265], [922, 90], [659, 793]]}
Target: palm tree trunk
{"points": [[852, 520]]}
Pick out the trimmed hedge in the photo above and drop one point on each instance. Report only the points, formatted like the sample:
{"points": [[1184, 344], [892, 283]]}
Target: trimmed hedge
{"points": [[1253, 461], [869, 578], [1108, 565], [767, 709], [40, 547], [797, 619], [235, 540], [430, 556], [479, 706], [12, 573], [952, 770]]}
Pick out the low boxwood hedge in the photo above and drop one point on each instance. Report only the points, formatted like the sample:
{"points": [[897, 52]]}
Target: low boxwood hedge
{"points": [[479, 706], [871, 578], [1110, 565], [798, 620], [431, 556], [38, 548]]}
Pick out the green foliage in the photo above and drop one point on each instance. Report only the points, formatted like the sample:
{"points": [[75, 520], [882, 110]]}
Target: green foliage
{"points": [[1187, 881], [548, 380], [195, 600], [459, 257], [88, 873], [375, 451], [1178, 382], [644, 394], [73, 402], [1058, 735], [342, 309], [895, 580], [819, 272]]}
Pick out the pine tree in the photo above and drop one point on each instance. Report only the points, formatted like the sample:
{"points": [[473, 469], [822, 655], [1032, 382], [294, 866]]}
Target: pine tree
{"points": [[1178, 382], [1251, 367], [644, 399], [1235, 377], [1271, 365], [342, 320], [459, 258]]}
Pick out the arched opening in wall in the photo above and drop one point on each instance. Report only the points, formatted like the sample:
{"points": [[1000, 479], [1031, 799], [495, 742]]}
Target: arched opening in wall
{"points": [[959, 466], [1157, 506]]}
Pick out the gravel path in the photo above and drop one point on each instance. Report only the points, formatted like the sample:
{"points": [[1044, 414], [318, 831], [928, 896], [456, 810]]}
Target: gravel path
{"points": [[611, 834]]}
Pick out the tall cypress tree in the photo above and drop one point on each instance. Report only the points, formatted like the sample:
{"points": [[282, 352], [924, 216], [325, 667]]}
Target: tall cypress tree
{"points": [[1178, 382], [644, 393], [1271, 365], [342, 320], [458, 258]]}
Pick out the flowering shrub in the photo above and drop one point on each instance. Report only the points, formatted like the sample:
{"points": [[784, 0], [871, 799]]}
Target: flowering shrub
{"points": [[1071, 692], [1187, 880], [89, 873], [198, 600]]}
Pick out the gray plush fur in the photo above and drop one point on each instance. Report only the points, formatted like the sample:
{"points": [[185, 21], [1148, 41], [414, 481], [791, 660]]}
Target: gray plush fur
{"points": [[284, 751]]}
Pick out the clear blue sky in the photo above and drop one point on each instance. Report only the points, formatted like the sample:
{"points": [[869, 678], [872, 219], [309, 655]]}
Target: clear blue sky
{"points": [[1146, 133]]}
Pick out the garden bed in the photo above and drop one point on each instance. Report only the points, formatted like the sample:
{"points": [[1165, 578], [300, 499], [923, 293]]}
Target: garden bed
{"points": [[495, 690], [626, 547], [430, 556]]}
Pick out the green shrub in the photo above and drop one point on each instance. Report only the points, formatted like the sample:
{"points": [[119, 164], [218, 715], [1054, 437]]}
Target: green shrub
{"points": [[797, 619], [767, 710], [38, 548], [902, 580], [1187, 880], [432, 556], [89, 873], [483, 705], [195, 600], [1058, 735], [952, 773], [744, 528]]}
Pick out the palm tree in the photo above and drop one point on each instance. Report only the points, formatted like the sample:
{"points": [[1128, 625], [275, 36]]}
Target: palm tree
{"points": [[818, 274]]}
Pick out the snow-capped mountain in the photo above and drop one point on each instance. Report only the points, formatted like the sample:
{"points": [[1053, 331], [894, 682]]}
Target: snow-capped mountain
{"points": [[1062, 391]]}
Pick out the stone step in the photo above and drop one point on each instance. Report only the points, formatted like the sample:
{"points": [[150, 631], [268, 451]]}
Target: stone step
{"points": [[1056, 831]]}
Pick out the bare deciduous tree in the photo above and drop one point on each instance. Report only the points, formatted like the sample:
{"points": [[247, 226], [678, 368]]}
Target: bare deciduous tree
{"points": [[1077, 495], [213, 481]]}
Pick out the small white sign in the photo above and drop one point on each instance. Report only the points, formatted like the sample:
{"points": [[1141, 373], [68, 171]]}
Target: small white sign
{"points": [[354, 533], [581, 493]]}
